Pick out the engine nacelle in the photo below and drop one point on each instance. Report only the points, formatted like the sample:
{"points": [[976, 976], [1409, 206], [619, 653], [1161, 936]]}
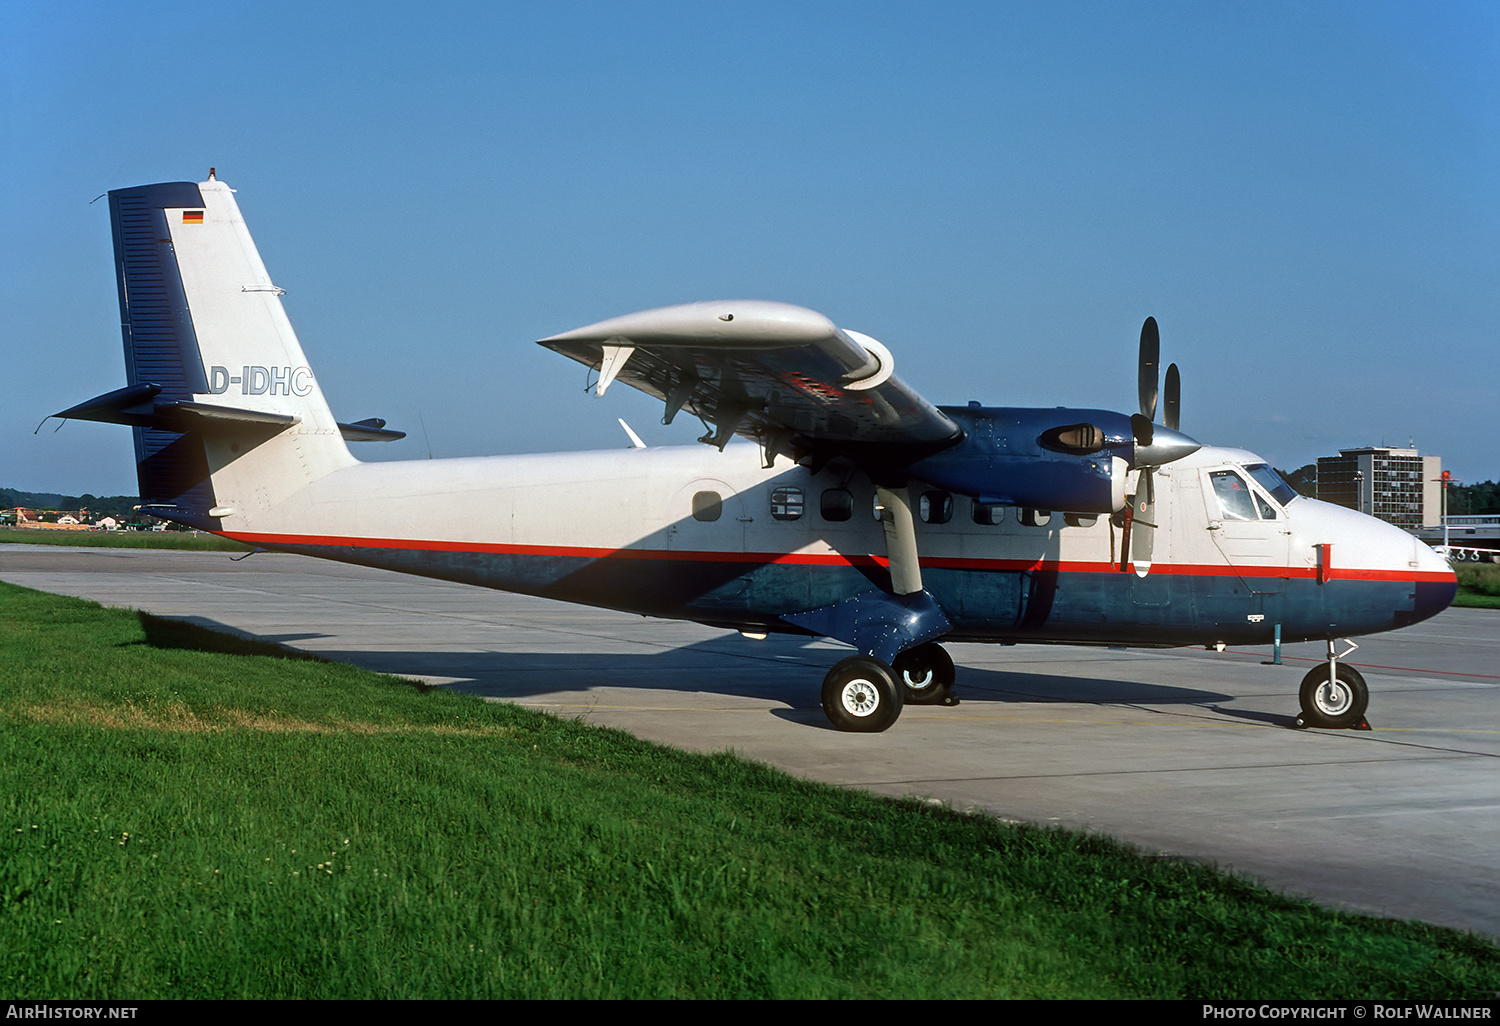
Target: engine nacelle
{"points": [[1061, 460]]}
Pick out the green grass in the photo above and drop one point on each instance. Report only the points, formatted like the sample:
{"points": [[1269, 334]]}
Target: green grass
{"points": [[189, 815], [1478, 585], [122, 539]]}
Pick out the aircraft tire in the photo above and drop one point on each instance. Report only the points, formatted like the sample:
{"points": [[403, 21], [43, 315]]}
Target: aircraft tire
{"points": [[926, 674], [861, 695], [1334, 707]]}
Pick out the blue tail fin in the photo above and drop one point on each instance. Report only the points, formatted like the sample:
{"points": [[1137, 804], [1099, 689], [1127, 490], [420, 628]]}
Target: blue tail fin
{"points": [[161, 347]]}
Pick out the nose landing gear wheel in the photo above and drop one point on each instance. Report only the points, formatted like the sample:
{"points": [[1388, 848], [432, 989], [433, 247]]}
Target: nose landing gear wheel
{"points": [[1333, 704], [861, 695], [926, 675]]}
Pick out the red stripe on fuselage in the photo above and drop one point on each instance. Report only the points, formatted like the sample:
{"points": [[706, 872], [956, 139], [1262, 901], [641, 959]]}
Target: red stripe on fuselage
{"points": [[830, 558]]}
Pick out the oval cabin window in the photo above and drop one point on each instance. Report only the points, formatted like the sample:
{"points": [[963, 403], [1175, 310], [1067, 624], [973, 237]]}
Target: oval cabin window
{"points": [[707, 506], [837, 505], [935, 507], [786, 503]]}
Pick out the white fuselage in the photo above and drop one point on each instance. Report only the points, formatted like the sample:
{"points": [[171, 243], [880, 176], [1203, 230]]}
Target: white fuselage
{"points": [[539, 523]]}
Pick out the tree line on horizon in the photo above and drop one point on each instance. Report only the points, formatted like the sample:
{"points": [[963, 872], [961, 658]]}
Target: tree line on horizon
{"points": [[1475, 498], [104, 505]]}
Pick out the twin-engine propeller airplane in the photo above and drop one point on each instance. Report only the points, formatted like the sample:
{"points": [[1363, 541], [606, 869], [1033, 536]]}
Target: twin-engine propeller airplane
{"points": [[863, 514]]}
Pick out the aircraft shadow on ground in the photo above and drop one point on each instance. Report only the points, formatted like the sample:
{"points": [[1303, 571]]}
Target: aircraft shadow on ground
{"points": [[782, 669], [203, 635]]}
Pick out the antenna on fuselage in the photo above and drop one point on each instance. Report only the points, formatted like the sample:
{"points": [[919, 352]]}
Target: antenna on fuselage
{"points": [[425, 440], [635, 439]]}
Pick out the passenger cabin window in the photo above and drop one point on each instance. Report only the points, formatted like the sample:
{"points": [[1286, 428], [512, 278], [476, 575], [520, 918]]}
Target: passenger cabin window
{"points": [[1080, 519], [707, 506], [1237, 499], [837, 505], [935, 507], [786, 503], [988, 514], [1035, 517]]}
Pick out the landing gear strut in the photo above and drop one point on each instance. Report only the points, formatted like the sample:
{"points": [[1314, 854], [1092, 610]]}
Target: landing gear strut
{"points": [[926, 675], [891, 627], [1334, 695]]}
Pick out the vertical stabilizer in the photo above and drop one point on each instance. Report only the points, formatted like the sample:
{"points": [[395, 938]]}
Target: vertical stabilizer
{"points": [[203, 322]]}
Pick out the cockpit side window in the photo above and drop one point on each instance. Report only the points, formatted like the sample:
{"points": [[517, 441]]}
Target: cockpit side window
{"points": [[1234, 495]]}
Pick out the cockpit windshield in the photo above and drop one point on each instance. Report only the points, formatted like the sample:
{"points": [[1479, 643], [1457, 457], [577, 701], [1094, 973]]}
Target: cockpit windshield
{"points": [[1267, 478]]}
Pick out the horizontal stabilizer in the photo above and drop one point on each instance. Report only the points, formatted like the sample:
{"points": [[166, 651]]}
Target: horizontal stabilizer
{"points": [[122, 406], [372, 429], [209, 414], [138, 406]]}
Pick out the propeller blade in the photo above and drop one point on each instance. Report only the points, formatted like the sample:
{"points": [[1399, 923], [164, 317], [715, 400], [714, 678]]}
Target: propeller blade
{"points": [[1157, 446], [1143, 524], [1173, 399], [1140, 518], [1150, 368], [1142, 429]]}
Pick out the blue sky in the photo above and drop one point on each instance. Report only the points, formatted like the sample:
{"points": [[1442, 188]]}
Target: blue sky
{"points": [[1305, 195]]}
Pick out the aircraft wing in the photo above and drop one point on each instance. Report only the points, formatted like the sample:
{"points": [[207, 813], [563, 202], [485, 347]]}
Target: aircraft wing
{"points": [[783, 375]]}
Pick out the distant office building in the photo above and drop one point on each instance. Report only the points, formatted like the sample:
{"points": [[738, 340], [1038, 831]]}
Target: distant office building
{"points": [[1400, 486]]}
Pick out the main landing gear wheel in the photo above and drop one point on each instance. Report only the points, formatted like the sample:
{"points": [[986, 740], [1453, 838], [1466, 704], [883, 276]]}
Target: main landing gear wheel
{"points": [[861, 694], [926, 675], [1333, 704]]}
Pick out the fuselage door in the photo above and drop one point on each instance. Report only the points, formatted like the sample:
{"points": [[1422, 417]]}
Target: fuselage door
{"points": [[707, 516], [1249, 529], [707, 540]]}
